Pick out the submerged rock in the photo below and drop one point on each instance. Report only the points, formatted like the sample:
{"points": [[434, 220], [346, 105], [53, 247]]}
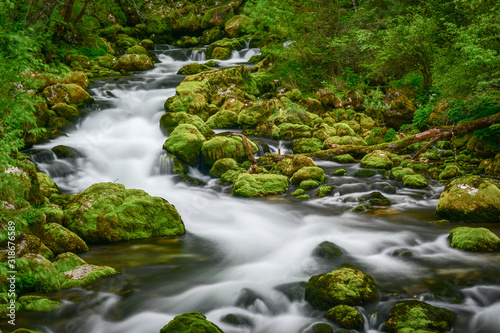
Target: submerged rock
{"points": [[259, 185], [327, 250], [191, 322], [343, 286], [411, 315], [107, 212], [470, 199], [474, 239]]}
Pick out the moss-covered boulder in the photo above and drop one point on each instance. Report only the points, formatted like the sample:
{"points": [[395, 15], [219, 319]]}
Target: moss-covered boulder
{"points": [[66, 93], [223, 119], [328, 99], [217, 16], [185, 143], [133, 62], [335, 141], [238, 26], [473, 239], [74, 272], [65, 152], [308, 173], [324, 131], [416, 315], [230, 176], [345, 286], [493, 168], [34, 274], [470, 199], [323, 191], [345, 316], [222, 166], [194, 68], [259, 185], [170, 120], [226, 147], [307, 145], [377, 159], [38, 303], [228, 44], [327, 250], [290, 165], [415, 181], [293, 131], [309, 184], [27, 243], [399, 172], [450, 171], [401, 109], [136, 49], [191, 322], [66, 111], [344, 158], [59, 240], [107, 212], [47, 185]]}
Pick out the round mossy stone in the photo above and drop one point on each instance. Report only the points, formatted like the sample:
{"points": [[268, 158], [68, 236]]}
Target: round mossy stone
{"points": [[377, 159], [323, 191], [412, 315], [223, 165], [343, 286], [415, 181], [191, 322], [308, 173], [259, 185], [327, 250], [474, 239], [185, 143], [345, 316], [59, 240]]}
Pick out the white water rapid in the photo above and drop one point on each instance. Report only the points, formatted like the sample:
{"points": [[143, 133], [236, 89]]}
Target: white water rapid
{"points": [[247, 257]]}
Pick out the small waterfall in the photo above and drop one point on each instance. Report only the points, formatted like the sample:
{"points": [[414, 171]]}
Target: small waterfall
{"points": [[164, 165], [197, 55]]}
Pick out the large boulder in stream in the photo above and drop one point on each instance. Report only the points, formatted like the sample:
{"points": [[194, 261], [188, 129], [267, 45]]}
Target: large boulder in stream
{"points": [[59, 240], [191, 322], [226, 147], [259, 185], [377, 159], [345, 286], [470, 199], [417, 316], [66, 93], [133, 62], [185, 143], [107, 212], [473, 239]]}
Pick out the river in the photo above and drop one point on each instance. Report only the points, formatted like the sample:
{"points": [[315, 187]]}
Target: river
{"points": [[247, 257]]}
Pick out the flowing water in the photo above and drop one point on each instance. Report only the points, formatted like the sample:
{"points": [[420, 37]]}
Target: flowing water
{"points": [[247, 257]]}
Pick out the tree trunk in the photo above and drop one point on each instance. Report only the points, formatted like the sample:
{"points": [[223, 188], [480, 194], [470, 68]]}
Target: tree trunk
{"points": [[82, 13], [246, 146], [397, 146], [67, 10]]}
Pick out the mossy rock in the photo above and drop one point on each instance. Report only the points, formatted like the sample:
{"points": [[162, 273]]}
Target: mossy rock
{"points": [[59, 240], [194, 68], [27, 243], [308, 173], [364, 173], [238, 25], [298, 192], [223, 119], [324, 131], [343, 140], [47, 185], [289, 165], [418, 315], [191, 322], [35, 274], [66, 152], [450, 171], [321, 328], [327, 250], [400, 172], [345, 286], [257, 113], [378, 199], [217, 16], [309, 184], [377, 159], [345, 316], [293, 131], [346, 158], [339, 172], [415, 181], [226, 147], [185, 143], [230, 176], [133, 62], [38, 303], [222, 166], [136, 49], [169, 121], [67, 93], [470, 199], [307, 145], [474, 239], [66, 111], [323, 191], [259, 185], [107, 212], [228, 44]]}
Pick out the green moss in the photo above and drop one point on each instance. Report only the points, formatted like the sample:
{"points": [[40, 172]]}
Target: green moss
{"points": [[293, 131], [346, 158], [377, 159], [136, 49], [307, 145], [185, 143], [38, 303], [343, 140], [415, 181], [308, 173], [417, 315], [107, 212], [59, 240], [298, 192], [309, 184], [191, 322], [474, 239], [85, 275], [339, 172], [303, 196], [400, 172], [194, 68], [346, 317], [289, 165], [229, 177], [133, 62], [225, 147], [323, 191], [259, 185], [450, 171], [470, 199], [223, 119], [343, 286], [169, 121]]}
